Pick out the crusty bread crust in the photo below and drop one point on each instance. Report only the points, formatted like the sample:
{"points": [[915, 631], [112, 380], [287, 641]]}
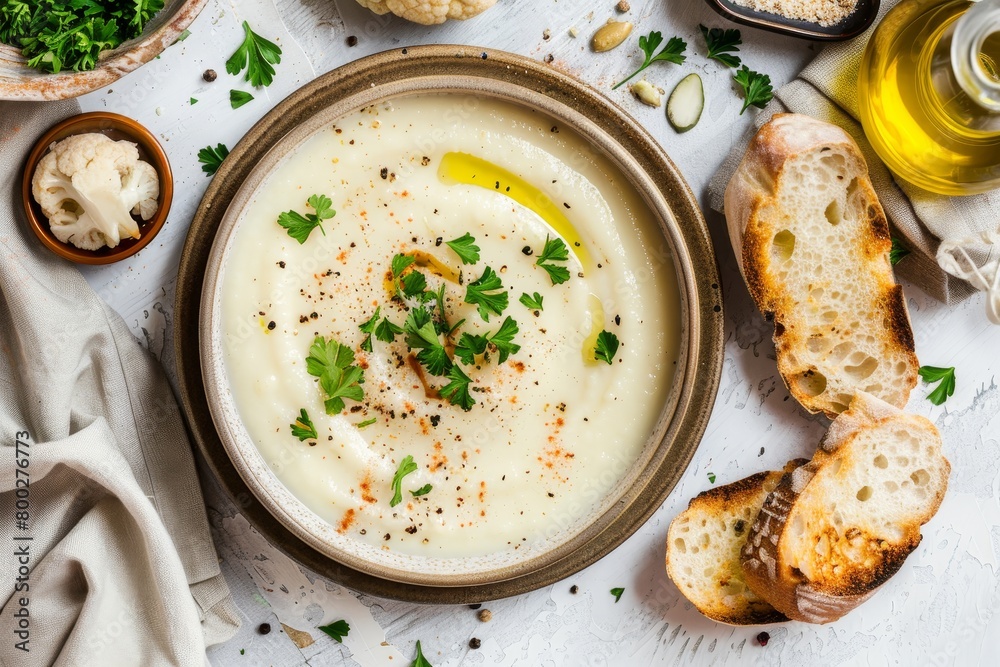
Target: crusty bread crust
{"points": [[756, 216], [814, 563], [722, 596]]}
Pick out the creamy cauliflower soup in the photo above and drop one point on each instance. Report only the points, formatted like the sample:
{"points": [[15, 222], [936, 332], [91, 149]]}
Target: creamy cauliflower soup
{"points": [[449, 326]]}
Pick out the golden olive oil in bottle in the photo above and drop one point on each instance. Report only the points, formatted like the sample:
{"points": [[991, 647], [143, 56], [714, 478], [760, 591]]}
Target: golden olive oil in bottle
{"points": [[929, 94]]}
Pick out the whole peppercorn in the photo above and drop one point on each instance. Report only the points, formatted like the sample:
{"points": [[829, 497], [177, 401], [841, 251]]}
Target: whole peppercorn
{"points": [[485, 615], [763, 638], [264, 628], [352, 40], [210, 75], [574, 589], [474, 643]]}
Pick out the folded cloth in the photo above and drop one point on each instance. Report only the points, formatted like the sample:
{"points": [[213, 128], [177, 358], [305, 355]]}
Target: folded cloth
{"points": [[107, 554], [955, 241]]}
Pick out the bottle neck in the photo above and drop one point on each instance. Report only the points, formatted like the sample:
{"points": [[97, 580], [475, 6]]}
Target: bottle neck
{"points": [[975, 53]]}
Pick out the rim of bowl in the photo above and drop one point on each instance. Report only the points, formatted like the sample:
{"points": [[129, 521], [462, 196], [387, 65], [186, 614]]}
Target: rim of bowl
{"points": [[41, 86], [84, 123], [651, 173]]}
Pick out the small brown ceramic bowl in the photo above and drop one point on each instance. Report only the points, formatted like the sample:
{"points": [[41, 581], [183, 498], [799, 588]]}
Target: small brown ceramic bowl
{"points": [[114, 127]]}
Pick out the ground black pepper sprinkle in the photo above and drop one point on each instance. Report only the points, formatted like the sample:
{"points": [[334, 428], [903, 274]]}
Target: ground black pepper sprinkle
{"points": [[352, 40], [549, 58], [271, 325], [618, 319], [763, 638], [574, 589], [474, 643], [210, 75], [384, 173], [264, 628], [527, 250]]}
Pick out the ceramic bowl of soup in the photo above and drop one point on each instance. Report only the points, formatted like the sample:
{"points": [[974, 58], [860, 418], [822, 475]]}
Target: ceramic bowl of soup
{"points": [[460, 324]]}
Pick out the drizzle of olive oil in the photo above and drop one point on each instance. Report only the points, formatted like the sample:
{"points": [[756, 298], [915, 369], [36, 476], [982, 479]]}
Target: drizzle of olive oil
{"points": [[472, 170], [920, 121], [596, 327]]}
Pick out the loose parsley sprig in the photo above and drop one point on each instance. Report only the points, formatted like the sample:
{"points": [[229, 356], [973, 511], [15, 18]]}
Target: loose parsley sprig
{"points": [[672, 52], [420, 660], [299, 226], [257, 55], [757, 90], [333, 364], [338, 630], [555, 250], [457, 390], [211, 158], [472, 345], [898, 251], [422, 491], [531, 302], [406, 467], [607, 346], [238, 98], [422, 335], [465, 247], [484, 293], [721, 43], [946, 376], [302, 427], [617, 592]]}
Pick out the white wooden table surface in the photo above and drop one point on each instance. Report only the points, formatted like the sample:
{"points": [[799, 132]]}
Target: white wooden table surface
{"points": [[942, 608]]}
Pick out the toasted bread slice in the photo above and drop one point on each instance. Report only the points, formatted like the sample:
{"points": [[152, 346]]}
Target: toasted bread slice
{"points": [[813, 244], [837, 528], [703, 550]]}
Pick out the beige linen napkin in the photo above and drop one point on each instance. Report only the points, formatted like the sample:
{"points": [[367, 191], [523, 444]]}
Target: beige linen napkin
{"points": [[121, 569], [955, 241]]}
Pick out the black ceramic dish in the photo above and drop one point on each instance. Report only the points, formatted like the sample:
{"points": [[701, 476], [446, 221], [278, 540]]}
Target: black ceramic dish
{"points": [[855, 24]]}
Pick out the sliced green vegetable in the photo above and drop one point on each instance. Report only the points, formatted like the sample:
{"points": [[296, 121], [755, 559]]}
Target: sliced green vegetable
{"points": [[685, 104]]}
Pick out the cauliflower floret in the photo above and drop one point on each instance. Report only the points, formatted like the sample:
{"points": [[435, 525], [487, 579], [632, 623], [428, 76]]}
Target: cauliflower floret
{"points": [[88, 186], [429, 12]]}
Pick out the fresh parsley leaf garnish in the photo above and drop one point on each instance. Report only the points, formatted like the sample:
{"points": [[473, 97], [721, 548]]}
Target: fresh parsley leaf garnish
{"points": [[617, 592], [607, 346], [257, 55], [721, 43], [303, 428], [238, 98], [333, 364], [193, 101], [420, 660], [184, 35], [400, 263], [531, 302], [898, 251], [483, 293], [367, 422], [369, 328], [469, 347], [300, 226], [711, 477], [338, 630], [457, 390], [946, 376], [406, 467], [756, 87], [413, 284], [503, 339], [465, 247], [422, 491], [422, 335], [211, 158], [386, 331], [555, 250], [672, 52]]}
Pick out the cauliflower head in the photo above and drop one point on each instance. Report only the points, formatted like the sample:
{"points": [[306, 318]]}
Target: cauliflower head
{"points": [[88, 187], [429, 12]]}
